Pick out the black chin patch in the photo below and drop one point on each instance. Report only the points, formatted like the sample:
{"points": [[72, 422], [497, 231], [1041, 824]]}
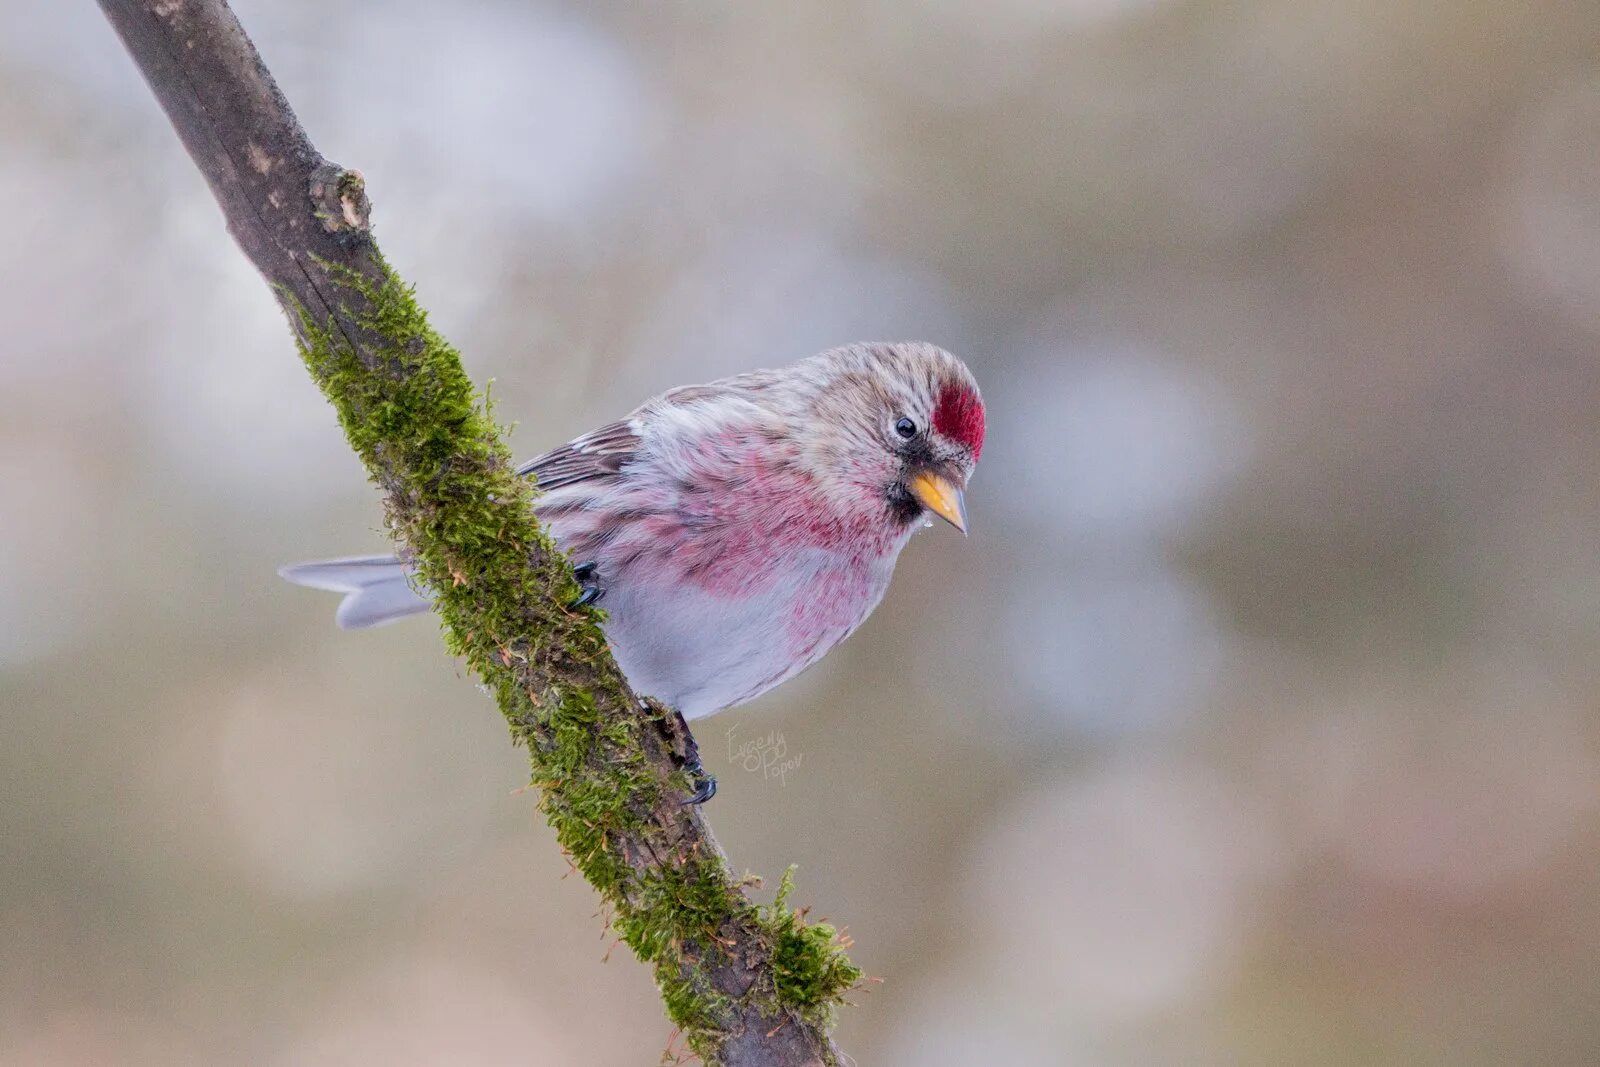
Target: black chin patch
{"points": [[903, 507]]}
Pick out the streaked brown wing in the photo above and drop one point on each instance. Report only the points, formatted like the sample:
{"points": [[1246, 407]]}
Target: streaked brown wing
{"points": [[598, 454], [604, 452]]}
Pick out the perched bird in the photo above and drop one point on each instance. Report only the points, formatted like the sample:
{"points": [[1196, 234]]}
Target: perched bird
{"points": [[737, 531]]}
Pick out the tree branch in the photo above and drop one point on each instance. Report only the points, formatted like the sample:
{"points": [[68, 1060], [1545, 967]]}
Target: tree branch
{"points": [[748, 985]]}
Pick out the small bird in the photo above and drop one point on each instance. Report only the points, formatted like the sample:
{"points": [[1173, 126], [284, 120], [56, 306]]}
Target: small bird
{"points": [[737, 531]]}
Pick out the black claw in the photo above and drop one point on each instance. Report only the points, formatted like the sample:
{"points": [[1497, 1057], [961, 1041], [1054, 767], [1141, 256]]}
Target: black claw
{"points": [[588, 591], [705, 786]]}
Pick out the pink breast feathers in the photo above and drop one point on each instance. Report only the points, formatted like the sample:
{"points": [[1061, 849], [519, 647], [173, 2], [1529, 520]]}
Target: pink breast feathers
{"points": [[959, 416], [826, 612]]}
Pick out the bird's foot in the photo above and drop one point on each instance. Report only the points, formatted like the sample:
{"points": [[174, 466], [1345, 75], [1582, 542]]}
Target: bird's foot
{"points": [[703, 786], [589, 588]]}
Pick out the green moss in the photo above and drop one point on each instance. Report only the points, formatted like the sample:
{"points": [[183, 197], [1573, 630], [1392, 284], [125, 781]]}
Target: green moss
{"points": [[811, 970], [501, 586]]}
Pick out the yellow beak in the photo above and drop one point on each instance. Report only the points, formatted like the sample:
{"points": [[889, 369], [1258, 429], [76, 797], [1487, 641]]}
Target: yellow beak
{"points": [[941, 496]]}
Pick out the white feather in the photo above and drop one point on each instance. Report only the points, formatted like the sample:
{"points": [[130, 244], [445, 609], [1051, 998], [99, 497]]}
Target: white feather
{"points": [[378, 588]]}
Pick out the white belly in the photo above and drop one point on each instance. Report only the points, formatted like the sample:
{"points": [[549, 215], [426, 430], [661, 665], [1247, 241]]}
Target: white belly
{"points": [[701, 651]]}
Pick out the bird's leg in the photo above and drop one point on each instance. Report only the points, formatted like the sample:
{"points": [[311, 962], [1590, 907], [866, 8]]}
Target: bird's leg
{"points": [[705, 786], [589, 589], [688, 756]]}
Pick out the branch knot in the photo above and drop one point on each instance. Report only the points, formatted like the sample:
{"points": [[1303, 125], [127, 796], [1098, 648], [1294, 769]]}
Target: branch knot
{"points": [[339, 195]]}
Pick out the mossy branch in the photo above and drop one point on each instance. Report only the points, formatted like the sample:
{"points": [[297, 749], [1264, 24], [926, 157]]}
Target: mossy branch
{"points": [[747, 985]]}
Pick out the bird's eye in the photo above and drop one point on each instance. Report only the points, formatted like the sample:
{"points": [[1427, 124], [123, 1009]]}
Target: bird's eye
{"points": [[906, 428]]}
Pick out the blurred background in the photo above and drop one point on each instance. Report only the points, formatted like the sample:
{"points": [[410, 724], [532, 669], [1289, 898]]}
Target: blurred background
{"points": [[1256, 723]]}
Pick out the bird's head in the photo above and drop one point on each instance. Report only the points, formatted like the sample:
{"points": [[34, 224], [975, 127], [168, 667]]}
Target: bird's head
{"points": [[904, 428]]}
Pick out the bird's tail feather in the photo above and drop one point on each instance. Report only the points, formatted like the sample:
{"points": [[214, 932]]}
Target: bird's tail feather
{"points": [[378, 589]]}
